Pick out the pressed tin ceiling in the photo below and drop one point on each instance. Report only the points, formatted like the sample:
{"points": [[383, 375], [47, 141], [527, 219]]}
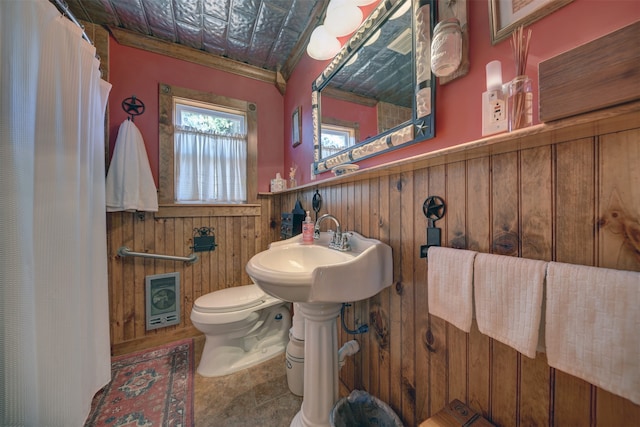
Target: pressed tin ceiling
{"points": [[261, 33]]}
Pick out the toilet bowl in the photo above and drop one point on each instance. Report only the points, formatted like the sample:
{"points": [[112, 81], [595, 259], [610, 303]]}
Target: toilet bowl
{"points": [[243, 327]]}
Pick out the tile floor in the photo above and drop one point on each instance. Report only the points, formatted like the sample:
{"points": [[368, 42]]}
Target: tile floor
{"points": [[254, 397]]}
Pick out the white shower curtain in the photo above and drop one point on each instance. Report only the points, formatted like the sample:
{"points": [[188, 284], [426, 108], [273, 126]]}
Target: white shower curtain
{"points": [[54, 332]]}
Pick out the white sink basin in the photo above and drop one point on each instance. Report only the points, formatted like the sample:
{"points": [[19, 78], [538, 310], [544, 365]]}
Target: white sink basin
{"points": [[295, 272]]}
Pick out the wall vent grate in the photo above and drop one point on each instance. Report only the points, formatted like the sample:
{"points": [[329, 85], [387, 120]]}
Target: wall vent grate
{"points": [[163, 300]]}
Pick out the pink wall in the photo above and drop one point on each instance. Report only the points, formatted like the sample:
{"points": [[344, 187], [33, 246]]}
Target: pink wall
{"points": [[137, 72], [458, 113], [367, 117]]}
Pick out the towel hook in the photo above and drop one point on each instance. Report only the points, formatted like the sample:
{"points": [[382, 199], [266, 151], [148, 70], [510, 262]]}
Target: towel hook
{"points": [[433, 208], [133, 106]]}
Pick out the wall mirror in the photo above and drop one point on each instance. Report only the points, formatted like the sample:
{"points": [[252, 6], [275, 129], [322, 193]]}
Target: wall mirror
{"points": [[378, 93]]}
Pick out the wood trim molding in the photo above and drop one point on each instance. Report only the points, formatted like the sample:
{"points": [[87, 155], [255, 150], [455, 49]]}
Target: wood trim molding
{"points": [[192, 211], [152, 44]]}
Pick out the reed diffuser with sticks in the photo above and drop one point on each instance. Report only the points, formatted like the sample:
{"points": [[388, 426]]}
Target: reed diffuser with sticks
{"points": [[520, 96]]}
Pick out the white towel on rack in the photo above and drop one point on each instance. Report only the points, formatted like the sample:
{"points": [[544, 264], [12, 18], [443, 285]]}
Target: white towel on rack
{"points": [[130, 185], [593, 326], [508, 297], [450, 285]]}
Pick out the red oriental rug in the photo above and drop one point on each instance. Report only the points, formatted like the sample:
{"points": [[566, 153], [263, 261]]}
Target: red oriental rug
{"points": [[149, 388]]}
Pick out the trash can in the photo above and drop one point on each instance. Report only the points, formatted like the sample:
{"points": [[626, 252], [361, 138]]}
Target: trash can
{"points": [[362, 409], [295, 365]]}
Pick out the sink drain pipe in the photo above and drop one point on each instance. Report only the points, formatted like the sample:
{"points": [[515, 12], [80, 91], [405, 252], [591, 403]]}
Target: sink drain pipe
{"points": [[348, 349]]}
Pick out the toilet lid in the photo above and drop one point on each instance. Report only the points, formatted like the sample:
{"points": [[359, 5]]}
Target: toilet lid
{"points": [[230, 299]]}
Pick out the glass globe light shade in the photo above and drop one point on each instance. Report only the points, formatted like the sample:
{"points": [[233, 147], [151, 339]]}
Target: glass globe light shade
{"points": [[343, 19], [322, 45], [338, 3]]}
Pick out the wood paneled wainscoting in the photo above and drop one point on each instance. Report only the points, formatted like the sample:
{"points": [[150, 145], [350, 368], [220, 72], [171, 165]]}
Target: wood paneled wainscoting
{"points": [[568, 191], [240, 233]]}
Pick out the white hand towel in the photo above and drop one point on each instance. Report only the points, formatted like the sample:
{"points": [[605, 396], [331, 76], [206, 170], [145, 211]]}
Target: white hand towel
{"points": [[593, 326], [130, 184], [450, 285], [508, 299]]}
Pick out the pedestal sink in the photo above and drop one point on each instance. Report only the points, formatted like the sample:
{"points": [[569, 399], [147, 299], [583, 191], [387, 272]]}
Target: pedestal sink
{"points": [[321, 279]]}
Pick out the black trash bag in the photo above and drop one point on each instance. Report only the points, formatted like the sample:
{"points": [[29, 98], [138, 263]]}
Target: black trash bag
{"points": [[362, 409]]}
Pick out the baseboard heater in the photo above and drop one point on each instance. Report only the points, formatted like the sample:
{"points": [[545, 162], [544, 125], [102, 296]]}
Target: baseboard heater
{"points": [[163, 300]]}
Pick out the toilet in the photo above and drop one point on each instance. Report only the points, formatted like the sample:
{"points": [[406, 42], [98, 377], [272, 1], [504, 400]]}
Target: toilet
{"points": [[243, 327]]}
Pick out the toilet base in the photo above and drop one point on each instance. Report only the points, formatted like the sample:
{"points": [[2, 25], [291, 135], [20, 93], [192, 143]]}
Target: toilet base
{"points": [[229, 359], [231, 352]]}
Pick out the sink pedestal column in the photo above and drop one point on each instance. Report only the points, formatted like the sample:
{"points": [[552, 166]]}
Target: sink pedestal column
{"points": [[320, 364]]}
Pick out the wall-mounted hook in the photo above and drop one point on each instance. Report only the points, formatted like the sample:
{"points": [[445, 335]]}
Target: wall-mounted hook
{"points": [[434, 209], [133, 107]]}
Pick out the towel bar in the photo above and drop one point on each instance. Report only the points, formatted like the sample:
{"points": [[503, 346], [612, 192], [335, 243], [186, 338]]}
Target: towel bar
{"points": [[124, 251]]}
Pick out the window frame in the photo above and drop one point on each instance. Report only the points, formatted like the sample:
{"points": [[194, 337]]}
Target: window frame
{"points": [[166, 191], [353, 128]]}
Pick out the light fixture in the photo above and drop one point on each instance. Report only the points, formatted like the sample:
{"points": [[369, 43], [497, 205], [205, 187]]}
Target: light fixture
{"points": [[343, 18], [446, 47], [322, 45]]}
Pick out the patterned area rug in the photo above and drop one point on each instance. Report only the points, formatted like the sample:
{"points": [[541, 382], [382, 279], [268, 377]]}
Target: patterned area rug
{"points": [[149, 388]]}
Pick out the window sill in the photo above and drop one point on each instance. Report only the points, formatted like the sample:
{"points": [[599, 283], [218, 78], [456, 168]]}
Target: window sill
{"points": [[187, 211]]}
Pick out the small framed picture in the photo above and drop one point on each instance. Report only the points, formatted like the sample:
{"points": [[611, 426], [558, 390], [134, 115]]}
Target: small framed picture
{"points": [[507, 15], [296, 126]]}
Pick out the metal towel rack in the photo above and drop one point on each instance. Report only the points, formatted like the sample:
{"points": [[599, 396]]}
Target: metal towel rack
{"points": [[124, 251]]}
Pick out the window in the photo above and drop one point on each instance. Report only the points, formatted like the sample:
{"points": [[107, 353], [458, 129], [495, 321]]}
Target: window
{"points": [[210, 153], [335, 138], [203, 139]]}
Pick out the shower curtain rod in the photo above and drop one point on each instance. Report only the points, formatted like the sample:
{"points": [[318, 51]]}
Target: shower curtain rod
{"points": [[64, 8], [123, 251]]}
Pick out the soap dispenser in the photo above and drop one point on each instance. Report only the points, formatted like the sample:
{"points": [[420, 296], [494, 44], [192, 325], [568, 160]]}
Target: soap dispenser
{"points": [[307, 230], [494, 102]]}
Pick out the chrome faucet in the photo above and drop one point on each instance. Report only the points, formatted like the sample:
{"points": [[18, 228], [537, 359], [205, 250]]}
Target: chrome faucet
{"points": [[338, 241]]}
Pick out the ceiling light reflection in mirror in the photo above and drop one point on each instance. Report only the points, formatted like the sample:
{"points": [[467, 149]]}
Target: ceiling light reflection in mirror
{"points": [[376, 71]]}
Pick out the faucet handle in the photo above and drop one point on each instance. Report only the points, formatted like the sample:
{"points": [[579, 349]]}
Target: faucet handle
{"points": [[345, 245]]}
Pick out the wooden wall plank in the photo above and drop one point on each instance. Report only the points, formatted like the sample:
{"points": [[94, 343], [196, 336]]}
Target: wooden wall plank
{"points": [[395, 301], [572, 400], [384, 234], [376, 311], [346, 222], [456, 238], [574, 243], [505, 360], [138, 281], [619, 201], [438, 368], [575, 202], [408, 209], [421, 311], [128, 280], [536, 213], [361, 308], [478, 237], [116, 287]]}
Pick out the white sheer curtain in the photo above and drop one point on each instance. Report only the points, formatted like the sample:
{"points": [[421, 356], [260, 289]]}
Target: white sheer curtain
{"points": [[210, 168], [54, 320]]}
